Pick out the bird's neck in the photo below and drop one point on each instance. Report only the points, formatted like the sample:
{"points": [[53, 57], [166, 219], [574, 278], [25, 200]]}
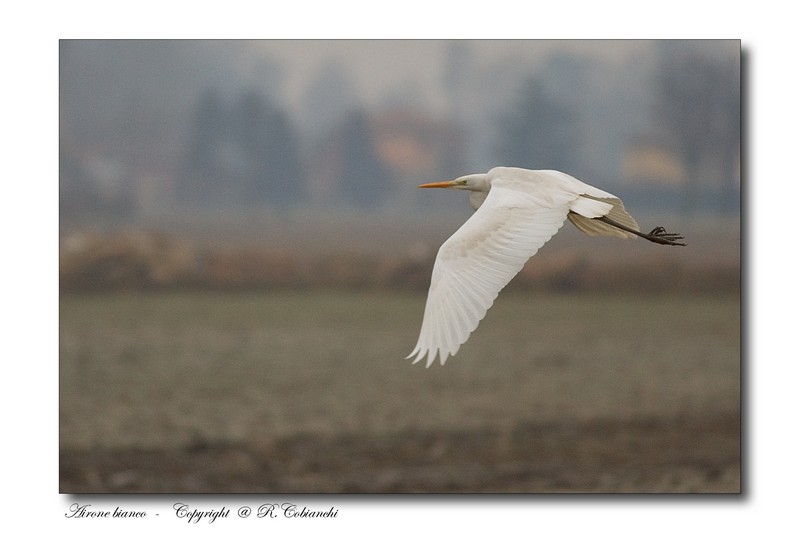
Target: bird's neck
{"points": [[476, 198]]}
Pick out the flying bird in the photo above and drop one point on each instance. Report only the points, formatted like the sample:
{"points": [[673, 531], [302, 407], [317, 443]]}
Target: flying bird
{"points": [[517, 211]]}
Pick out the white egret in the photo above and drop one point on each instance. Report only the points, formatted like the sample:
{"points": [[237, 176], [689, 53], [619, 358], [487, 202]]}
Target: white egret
{"points": [[517, 211]]}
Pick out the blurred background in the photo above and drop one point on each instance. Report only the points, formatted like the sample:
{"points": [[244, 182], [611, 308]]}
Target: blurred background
{"points": [[245, 255]]}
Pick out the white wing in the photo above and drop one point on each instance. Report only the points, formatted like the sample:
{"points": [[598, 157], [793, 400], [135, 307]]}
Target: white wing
{"points": [[479, 259]]}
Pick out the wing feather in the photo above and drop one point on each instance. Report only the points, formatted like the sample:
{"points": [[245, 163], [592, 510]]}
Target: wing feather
{"points": [[480, 258]]}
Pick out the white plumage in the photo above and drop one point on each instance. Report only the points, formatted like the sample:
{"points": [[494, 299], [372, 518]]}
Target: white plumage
{"points": [[517, 211]]}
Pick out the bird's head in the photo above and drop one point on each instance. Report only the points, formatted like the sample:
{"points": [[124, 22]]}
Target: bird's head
{"points": [[472, 182]]}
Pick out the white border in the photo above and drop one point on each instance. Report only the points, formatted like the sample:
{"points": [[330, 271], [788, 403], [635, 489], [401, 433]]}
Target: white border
{"points": [[30, 377]]}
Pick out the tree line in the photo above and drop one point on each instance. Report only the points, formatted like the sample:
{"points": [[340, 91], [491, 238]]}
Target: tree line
{"points": [[243, 148], [246, 152]]}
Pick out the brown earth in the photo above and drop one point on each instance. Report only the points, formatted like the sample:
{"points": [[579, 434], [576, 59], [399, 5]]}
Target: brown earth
{"points": [[308, 392], [640, 456]]}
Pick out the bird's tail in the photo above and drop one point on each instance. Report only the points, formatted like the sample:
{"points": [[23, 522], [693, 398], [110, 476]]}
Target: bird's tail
{"points": [[593, 226]]}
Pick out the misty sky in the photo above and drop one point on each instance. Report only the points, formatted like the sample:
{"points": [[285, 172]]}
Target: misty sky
{"points": [[128, 107], [380, 66]]}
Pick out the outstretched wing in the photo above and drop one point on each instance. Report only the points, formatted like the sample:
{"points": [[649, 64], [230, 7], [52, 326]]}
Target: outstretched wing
{"points": [[479, 259]]}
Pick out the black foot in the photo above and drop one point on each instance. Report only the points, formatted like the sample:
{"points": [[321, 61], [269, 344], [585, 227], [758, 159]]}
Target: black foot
{"points": [[659, 235]]}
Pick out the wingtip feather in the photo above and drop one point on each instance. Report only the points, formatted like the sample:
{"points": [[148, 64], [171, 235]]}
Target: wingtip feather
{"points": [[419, 353]]}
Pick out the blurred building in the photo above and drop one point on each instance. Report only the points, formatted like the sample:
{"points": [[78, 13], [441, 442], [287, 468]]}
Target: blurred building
{"points": [[415, 145], [648, 160], [400, 147]]}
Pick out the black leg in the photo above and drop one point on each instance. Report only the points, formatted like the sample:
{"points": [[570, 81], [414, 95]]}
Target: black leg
{"points": [[658, 235]]}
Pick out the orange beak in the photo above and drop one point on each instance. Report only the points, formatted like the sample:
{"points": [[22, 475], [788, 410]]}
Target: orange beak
{"points": [[438, 185]]}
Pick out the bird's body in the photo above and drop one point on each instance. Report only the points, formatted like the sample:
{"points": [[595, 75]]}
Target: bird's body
{"points": [[517, 211]]}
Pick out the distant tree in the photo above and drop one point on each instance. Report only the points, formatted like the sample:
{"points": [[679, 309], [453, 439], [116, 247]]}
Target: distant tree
{"points": [[245, 154], [365, 180], [698, 106], [89, 189], [456, 77], [538, 131], [286, 170], [203, 166], [331, 94], [271, 167], [77, 194]]}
